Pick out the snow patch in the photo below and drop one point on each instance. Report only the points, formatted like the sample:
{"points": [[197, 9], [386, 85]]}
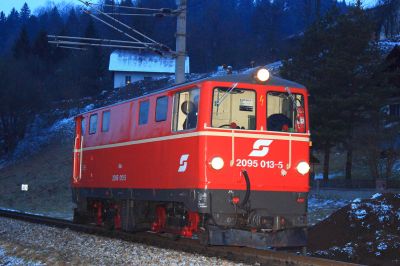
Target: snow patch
{"points": [[382, 246], [376, 195], [14, 261], [360, 214]]}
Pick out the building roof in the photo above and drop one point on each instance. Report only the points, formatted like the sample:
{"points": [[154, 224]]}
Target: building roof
{"points": [[132, 61]]}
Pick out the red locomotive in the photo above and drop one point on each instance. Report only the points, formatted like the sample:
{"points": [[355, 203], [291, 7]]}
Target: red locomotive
{"points": [[225, 159]]}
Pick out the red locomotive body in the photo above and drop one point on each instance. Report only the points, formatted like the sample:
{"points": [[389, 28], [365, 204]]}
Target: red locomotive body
{"points": [[223, 158]]}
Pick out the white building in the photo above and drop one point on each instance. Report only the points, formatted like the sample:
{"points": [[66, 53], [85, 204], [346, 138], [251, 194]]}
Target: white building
{"points": [[131, 66]]}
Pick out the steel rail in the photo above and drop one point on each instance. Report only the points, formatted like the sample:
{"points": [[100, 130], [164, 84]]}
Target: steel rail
{"points": [[237, 254]]}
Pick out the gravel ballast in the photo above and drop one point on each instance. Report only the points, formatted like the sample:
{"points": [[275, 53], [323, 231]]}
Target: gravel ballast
{"points": [[39, 244]]}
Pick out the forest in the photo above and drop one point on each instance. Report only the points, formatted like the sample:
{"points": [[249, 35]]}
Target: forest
{"points": [[308, 35]]}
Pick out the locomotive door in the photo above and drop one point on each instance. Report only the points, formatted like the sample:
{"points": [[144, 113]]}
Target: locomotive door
{"points": [[78, 148]]}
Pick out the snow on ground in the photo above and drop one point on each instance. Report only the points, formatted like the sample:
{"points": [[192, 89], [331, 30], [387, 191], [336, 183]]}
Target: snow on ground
{"points": [[39, 133], [364, 231], [321, 205]]}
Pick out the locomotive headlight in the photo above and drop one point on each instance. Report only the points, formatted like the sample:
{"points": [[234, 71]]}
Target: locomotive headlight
{"points": [[303, 168], [262, 74], [217, 163]]}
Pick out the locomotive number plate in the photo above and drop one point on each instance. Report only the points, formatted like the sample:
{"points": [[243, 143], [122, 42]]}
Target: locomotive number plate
{"points": [[116, 178], [259, 163]]}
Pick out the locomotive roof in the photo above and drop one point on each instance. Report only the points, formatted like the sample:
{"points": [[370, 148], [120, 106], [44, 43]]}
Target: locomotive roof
{"points": [[245, 77]]}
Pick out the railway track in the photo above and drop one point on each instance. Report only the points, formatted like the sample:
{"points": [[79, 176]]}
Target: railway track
{"points": [[237, 254]]}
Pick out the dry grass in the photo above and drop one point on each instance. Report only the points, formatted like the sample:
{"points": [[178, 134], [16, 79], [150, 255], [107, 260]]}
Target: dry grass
{"points": [[48, 175]]}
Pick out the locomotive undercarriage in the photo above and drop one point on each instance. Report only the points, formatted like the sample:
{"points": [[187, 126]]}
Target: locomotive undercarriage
{"points": [[216, 217]]}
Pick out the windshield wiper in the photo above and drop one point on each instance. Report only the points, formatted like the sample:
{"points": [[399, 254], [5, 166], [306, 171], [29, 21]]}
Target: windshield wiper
{"points": [[291, 97], [226, 94]]}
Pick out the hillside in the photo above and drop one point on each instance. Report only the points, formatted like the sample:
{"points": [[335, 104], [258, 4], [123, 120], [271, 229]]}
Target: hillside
{"points": [[43, 159]]}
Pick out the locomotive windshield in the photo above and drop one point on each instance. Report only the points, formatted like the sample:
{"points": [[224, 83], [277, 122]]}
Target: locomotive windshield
{"points": [[234, 108], [285, 112]]}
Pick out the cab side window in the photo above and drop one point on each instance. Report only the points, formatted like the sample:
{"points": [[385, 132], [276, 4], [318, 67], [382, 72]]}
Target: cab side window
{"points": [[144, 112], [161, 108], [83, 126], [93, 124], [185, 113], [105, 123]]}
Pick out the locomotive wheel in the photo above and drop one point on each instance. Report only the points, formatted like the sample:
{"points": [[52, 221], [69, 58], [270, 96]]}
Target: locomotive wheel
{"points": [[80, 217], [109, 219]]}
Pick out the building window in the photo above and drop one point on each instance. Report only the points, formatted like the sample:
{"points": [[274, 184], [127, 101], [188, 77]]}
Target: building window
{"points": [[143, 112], [127, 80], [185, 110], [161, 108], [105, 123], [93, 124]]}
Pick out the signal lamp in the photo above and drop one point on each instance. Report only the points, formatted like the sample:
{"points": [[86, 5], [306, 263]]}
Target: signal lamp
{"points": [[262, 74], [303, 168], [235, 200], [217, 163]]}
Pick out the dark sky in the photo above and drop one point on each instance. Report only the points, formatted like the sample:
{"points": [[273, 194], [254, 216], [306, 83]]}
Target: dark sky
{"points": [[7, 5]]}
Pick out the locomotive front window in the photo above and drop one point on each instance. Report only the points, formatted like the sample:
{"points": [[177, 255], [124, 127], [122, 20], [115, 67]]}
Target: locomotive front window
{"points": [[285, 112], [185, 110], [234, 108]]}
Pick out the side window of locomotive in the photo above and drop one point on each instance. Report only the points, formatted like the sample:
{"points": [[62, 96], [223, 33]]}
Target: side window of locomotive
{"points": [[185, 112], [93, 124], [144, 112], [83, 126], [105, 123], [285, 112], [234, 108], [161, 108]]}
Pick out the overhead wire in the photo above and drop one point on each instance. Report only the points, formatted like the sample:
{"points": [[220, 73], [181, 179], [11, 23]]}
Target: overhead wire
{"points": [[88, 4], [56, 37], [151, 44], [129, 7], [96, 44]]}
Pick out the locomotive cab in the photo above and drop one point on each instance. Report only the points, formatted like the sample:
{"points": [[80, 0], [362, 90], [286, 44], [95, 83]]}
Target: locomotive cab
{"points": [[257, 189]]}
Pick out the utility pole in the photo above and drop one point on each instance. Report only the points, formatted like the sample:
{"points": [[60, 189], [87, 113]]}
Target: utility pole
{"points": [[180, 42]]}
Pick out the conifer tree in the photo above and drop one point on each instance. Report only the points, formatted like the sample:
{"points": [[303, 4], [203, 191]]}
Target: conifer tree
{"points": [[25, 13], [22, 48]]}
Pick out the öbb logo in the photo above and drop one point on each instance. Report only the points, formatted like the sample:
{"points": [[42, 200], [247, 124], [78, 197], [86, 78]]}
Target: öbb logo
{"points": [[260, 148], [183, 163]]}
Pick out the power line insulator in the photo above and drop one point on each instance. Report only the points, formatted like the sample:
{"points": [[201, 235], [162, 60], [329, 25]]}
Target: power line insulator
{"points": [[167, 11], [164, 48], [158, 15]]}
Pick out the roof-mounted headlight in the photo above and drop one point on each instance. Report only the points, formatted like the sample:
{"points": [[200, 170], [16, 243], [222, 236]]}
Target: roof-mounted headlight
{"points": [[262, 74]]}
